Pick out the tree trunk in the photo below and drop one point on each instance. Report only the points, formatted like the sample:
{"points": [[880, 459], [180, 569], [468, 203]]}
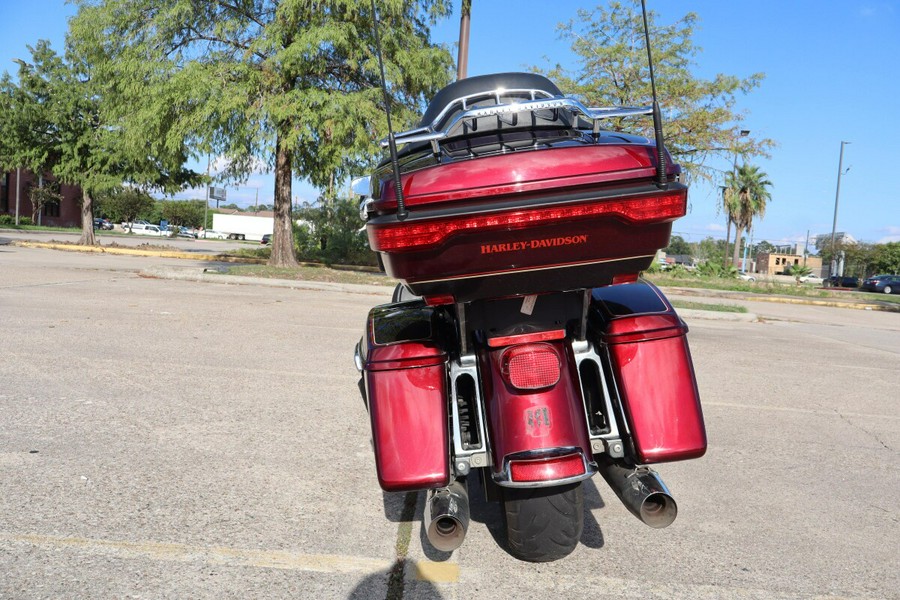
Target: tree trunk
{"points": [[737, 245], [727, 242], [283, 233], [87, 220]]}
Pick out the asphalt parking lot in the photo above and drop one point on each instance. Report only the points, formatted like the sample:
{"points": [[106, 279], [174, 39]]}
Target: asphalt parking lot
{"points": [[169, 438]]}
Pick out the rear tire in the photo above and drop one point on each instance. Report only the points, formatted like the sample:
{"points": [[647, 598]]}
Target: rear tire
{"points": [[543, 524], [887, 289]]}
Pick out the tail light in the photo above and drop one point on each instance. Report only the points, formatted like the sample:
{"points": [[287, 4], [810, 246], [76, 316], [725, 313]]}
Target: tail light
{"points": [[411, 235], [549, 469], [530, 366]]}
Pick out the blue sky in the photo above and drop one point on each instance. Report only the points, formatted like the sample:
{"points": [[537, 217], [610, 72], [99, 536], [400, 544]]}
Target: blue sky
{"points": [[830, 76]]}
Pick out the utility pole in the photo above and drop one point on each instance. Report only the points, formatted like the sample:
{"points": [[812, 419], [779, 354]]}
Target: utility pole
{"points": [[18, 191], [462, 58], [837, 195]]}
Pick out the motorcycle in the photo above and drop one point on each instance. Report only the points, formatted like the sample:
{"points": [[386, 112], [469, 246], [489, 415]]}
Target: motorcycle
{"points": [[522, 346]]}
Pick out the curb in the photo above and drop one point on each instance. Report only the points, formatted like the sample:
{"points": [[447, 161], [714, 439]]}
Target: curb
{"points": [[707, 293], [716, 315], [213, 276], [135, 252]]}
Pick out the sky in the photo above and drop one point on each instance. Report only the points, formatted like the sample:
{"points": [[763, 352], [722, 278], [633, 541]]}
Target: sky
{"points": [[830, 77]]}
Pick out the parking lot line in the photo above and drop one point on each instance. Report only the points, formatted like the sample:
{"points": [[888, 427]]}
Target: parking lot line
{"points": [[217, 555]]}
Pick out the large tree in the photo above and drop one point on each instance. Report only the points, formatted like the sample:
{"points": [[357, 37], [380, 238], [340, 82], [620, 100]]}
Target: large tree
{"points": [[292, 83], [59, 111], [700, 116]]}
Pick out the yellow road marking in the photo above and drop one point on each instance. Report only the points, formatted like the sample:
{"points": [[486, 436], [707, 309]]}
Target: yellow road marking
{"points": [[437, 572]]}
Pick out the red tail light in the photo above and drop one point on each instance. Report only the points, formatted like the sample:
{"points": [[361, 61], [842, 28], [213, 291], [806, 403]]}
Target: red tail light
{"points": [[546, 469], [531, 366], [655, 208]]}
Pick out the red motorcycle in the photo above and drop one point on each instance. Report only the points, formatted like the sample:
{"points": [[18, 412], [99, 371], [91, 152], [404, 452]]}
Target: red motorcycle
{"points": [[522, 346]]}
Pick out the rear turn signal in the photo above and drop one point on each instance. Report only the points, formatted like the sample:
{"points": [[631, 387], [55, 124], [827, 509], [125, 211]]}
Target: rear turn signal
{"points": [[549, 469], [530, 366]]}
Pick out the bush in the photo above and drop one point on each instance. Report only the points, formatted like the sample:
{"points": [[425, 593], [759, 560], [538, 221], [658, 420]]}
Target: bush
{"points": [[11, 220], [330, 233]]}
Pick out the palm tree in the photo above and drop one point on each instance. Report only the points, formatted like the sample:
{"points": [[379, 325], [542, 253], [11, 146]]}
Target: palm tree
{"points": [[748, 187]]}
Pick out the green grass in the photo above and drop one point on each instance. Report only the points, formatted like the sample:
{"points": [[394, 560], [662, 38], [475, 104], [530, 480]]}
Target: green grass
{"points": [[729, 308]]}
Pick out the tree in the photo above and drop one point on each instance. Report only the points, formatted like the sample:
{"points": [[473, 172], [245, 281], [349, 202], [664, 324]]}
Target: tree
{"points": [[677, 245], [748, 193], [60, 113], [700, 115], [124, 204], [292, 83], [886, 259], [46, 192]]}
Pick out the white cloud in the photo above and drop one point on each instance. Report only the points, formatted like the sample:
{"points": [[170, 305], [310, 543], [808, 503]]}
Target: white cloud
{"points": [[715, 227]]}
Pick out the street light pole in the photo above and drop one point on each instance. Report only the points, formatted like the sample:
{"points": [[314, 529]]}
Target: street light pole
{"points": [[837, 195]]}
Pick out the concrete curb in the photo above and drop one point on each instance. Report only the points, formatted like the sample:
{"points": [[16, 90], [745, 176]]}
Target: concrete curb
{"points": [[716, 315], [133, 252], [212, 276], [708, 293]]}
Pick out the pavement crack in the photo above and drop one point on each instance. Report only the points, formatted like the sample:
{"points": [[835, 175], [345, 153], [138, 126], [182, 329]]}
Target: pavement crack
{"points": [[871, 434]]}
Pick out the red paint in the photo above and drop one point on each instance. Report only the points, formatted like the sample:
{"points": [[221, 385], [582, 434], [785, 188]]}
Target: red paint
{"points": [[406, 390], [654, 374], [550, 169], [527, 338], [521, 422]]}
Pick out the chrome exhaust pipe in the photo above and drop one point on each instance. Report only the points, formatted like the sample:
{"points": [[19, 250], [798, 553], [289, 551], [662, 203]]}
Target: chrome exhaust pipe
{"points": [[447, 516], [641, 491]]}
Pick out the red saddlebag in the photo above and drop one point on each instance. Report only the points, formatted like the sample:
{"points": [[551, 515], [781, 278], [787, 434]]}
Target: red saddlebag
{"points": [[652, 367], [406, 391]]}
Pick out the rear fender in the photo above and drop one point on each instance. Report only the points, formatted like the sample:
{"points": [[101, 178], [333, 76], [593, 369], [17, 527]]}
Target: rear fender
{"points": [[540, 431]]}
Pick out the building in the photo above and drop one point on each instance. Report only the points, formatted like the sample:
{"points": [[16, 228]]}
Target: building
{"points": [[65, 214], [773, 263]]}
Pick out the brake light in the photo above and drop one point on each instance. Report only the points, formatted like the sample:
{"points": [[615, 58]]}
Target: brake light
{"points": [[530, 366], [549, 469], [625, 278], [655, 208]]}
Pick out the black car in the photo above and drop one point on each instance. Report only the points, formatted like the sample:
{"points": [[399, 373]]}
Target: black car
{"points": [[884, 284], [843, 282], [103, 224], [266, 239]]}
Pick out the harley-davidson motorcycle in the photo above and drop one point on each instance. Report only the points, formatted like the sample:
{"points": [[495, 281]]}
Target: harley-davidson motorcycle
{"points": [[522, 346]]}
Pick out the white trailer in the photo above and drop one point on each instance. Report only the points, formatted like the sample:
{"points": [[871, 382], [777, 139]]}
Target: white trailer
{"points": [[243, 227]]}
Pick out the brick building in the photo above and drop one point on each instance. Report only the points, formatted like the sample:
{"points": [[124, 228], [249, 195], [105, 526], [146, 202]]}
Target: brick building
{"points": [[65, 214]]}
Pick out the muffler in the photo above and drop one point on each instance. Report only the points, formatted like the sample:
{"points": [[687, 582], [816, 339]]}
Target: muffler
{"points": [[447, 516], [641, 491]]}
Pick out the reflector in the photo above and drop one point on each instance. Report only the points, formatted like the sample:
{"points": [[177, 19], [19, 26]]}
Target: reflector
{"points": [[531, 366], [549, 469]]}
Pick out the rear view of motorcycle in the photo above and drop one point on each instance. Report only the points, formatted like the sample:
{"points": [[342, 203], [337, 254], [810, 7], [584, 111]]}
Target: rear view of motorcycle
{"points": [[521, 346]]}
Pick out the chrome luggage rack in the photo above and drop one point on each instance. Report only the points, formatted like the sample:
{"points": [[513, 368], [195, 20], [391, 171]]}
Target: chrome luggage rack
{"points": [[532, 101]]}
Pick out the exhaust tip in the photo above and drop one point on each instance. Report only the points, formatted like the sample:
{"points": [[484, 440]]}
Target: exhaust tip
{"points": [[658, 510], [446, 534]]}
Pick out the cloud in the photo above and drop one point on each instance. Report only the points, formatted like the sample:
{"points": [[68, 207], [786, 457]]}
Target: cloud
{"points": [[715, 227]]}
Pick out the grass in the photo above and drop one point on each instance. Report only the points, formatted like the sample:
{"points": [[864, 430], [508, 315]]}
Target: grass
{"points": [[729, 308], [312, 273]]}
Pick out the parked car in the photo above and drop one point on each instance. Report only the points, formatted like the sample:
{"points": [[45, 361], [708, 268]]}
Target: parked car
{"points": [[844, 282], [139, 224], [211, 234], [150, 229], [746, 277], [187, 232], [266, 239], [885, 284], [103, 224], [812, 279]]}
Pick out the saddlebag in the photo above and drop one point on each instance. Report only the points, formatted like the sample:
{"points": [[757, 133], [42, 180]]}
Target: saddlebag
{"points": [[405, 373], [652, 369]]}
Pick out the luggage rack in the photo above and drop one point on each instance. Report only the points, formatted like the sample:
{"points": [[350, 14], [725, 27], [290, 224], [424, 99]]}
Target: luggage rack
{"points": [[532, 101]]}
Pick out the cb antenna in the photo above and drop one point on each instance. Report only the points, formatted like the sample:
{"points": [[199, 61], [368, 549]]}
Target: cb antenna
{"points": [[662, 181], [392, 144]]}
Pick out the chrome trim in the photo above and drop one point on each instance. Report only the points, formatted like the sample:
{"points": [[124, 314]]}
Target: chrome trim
{"points": [[431, 133], [357, 358], [465, 459], [611, 442], [642, 491], [504, 479]]}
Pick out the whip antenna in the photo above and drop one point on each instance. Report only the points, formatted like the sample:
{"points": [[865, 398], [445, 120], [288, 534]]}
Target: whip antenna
{"points": [[661, 178], [395, 164]]}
